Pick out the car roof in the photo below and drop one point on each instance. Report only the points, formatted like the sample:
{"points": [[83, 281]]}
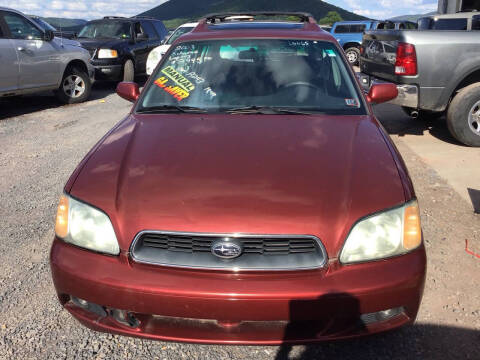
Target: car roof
{"points": [[192, 24], [353, 22], [11, 10], [216, 27], [460, 15]]}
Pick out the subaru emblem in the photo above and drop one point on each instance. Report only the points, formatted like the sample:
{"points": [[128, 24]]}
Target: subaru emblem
{"points": [[227, 249]]}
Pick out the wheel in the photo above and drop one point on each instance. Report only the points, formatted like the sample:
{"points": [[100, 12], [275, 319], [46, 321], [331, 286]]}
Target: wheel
{"points": [[75, 87], [128, 71], [463, 116], [423, 114], [353, 54]]}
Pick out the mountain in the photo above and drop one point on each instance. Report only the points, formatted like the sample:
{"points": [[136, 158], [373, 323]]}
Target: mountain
{"points": [[66, 24], [186, 10], [413, 18]]}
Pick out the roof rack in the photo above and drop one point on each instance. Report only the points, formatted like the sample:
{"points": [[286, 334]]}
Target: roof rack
{"points": [[114, 17], [222, 17], [144, 17]]}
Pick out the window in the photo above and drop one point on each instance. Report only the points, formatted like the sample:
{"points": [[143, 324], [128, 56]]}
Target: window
{"points": [[179, 32], [342, 29], [106, 30], [22, 29], [218, 75], [450, 24], [149, 30], [357, 28]]}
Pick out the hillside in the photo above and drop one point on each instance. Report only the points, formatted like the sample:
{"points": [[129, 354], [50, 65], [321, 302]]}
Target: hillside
{"points": [[185, 10], [66, 24], [413, 18]]}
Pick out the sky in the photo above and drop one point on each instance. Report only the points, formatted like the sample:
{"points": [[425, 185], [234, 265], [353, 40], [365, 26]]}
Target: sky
{"points": [[91, 9]]}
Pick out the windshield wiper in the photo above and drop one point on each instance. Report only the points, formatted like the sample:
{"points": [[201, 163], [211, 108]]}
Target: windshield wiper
{"points": [[265, 110], [171, 108]]}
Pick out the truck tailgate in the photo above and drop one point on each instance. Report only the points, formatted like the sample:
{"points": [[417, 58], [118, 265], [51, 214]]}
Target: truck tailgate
{"points": [[379, 54]]}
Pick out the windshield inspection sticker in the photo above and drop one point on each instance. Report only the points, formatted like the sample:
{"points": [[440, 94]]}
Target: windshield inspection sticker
{"points": [[178, 78], [176, 91], [352, 102]]}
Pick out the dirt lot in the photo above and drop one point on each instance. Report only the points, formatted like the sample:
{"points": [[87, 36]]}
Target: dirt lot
{"points": [[40, 145]]}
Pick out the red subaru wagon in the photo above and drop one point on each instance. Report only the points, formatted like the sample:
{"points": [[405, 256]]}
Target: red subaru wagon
{"points": [[250, 197]]}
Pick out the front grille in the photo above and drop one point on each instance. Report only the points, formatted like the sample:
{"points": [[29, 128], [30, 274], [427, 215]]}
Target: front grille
{"points": [[259, 252]]}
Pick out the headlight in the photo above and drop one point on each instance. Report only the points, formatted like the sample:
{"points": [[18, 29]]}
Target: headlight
{"points": [[153, 59], [85, 226], [107, 54], [391, 233]]}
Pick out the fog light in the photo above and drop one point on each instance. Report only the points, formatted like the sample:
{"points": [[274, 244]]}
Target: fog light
{"points": [[91, 307], [381, 315], [125, 318]]}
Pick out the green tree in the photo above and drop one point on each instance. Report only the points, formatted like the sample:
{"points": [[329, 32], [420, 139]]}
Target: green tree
{"points": [[331, 18]]}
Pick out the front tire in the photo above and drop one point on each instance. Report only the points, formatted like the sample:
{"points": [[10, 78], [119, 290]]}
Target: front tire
{"points": [[128, 71], [353, 54], [75, 87], [463, 116]]}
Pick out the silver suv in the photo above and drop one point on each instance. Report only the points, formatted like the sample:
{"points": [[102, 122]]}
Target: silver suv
{"points": [[33, 60]]}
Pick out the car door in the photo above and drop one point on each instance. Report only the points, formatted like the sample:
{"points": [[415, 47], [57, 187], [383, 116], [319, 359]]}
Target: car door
{"points": [[9, 64], [140, 48], [39, 59]]}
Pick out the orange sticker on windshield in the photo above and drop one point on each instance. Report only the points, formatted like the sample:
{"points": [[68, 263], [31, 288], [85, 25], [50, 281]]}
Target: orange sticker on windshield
{"points": [[176, 91]]}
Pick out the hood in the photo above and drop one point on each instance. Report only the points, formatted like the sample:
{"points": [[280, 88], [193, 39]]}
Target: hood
{"points": [[260, 174], [92, 44], [65, 41]]}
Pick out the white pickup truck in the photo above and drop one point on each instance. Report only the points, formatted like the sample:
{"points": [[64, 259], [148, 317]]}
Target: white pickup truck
{"points": [[34, 60]]}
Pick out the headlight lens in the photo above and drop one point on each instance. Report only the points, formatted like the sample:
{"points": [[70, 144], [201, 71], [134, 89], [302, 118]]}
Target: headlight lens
{"points": [[391, 233], [153, 59], [85, 226], [107, 54]]}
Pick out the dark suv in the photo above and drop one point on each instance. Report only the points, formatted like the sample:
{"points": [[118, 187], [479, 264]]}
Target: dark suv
{"points": [[120, 46]]}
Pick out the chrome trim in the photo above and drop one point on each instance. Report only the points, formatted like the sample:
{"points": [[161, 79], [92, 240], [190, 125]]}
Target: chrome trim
{"points": [[233, 236]]}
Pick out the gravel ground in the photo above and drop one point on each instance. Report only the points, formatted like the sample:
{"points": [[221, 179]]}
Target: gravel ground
{"points": [[40, 145]]}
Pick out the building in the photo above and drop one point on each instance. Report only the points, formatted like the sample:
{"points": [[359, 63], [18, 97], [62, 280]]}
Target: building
{"points": [[454, 6]]}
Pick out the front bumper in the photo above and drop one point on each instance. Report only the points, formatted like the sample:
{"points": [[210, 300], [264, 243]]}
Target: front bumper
{"points": [[238, 308], [108, 72]]}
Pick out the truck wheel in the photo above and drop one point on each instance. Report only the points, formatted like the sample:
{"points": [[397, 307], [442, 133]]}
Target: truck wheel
{"points": [[463, 116], [75, 86], [353, 54], [423, 114], [128, 71]]}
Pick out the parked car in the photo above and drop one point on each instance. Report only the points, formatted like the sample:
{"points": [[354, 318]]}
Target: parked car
{"points": [[430, 86], [156, 54], [119, 47], [33, 60], [459, 21], [46, 26], [250, 197], [349, 34]]}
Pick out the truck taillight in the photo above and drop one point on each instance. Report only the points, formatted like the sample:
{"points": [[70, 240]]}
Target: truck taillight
{"points": [[406, 63]]}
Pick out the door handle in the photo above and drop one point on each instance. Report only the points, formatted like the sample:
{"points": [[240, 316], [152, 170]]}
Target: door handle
{"points": [[21, 48]]}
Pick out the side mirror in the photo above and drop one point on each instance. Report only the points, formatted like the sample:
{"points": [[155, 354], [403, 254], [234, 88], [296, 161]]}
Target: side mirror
{"points": [[142, 37], [128, 91], [380, 93], [49, 35]]}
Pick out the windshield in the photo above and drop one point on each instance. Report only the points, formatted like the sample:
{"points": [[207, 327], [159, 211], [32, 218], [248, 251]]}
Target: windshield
{"points": [[177, 33], [223, 75], [108, 29]]}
